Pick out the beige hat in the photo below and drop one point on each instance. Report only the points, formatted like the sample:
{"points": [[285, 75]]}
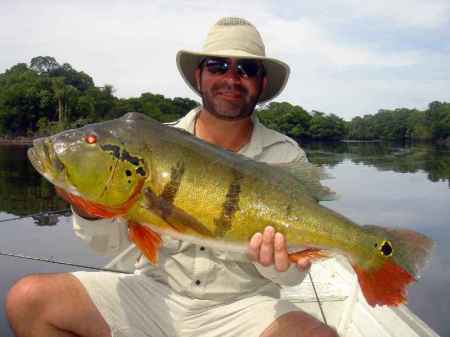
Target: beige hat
{"points": [[235, 37]]}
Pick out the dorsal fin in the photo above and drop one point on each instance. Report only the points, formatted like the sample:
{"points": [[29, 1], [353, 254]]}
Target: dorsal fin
{"points": [[309, 176]]}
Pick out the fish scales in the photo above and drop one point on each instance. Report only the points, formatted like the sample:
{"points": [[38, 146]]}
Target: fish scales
{"points": [[164, 180], [260, 202]]}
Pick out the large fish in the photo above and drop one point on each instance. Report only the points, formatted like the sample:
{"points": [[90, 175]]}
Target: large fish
{"points": [[163, 180]]}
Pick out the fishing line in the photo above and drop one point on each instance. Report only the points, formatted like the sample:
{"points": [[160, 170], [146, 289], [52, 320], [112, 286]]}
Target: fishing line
{"points": [[318, 300], [62, 211], [25, 257]]}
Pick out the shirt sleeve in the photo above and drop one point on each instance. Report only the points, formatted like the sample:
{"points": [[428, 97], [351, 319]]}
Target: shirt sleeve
{"points": [[291, 277], [105, 236]]}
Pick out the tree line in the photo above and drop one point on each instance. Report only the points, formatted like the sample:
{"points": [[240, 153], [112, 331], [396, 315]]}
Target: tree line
{"points": [[432, 124], [44, 97]]}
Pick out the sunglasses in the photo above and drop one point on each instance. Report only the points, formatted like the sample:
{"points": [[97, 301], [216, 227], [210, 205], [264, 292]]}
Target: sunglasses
{"points": [[245, 68]]}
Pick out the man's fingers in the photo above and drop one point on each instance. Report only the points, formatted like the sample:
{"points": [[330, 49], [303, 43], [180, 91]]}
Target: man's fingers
{"points": [[254, 247], [266, 250], [281, 255]]}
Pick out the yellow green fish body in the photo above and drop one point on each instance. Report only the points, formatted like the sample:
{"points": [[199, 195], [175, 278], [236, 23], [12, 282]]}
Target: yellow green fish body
{"points": [[168, 181]]}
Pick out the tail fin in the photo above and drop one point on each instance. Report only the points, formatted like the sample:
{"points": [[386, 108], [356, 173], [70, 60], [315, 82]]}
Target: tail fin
{"points": [[385, 282]]}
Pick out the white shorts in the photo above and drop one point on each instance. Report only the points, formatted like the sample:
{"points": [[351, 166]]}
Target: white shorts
{"points": [[136, 305]]}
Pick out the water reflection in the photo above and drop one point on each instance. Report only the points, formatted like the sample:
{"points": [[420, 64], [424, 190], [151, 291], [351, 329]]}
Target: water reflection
{"points": [[398, 186], [379, 183], [22, 189], [434, 160]]}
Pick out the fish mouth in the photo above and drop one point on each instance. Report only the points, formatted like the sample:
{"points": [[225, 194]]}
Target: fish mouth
{"points": [[45, 160]]}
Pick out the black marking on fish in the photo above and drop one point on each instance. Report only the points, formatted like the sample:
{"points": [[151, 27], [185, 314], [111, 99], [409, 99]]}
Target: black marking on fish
{"points": [[230, 206], [171, 188], [140, 170], [172, 215], [128, 173], [129, 158], [288, 210], [113, 149], [124, 155]]}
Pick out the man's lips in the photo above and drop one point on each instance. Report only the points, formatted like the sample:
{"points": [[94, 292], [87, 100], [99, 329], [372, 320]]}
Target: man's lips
{"points": [[231, 95]]}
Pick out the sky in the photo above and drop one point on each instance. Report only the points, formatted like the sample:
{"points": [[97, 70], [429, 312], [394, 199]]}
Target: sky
{"points": [[347, 57]]}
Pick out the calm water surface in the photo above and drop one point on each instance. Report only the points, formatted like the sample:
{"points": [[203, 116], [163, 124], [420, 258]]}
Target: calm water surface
{"points": [[381, 184]]}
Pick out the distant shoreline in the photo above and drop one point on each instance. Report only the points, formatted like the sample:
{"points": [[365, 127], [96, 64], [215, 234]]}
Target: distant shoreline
{"points": [[16, 141], [361, 141]]}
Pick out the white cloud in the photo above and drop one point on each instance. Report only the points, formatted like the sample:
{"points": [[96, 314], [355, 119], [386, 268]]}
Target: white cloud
{"points": [[132, 46], [429, 14], [409, 13]]}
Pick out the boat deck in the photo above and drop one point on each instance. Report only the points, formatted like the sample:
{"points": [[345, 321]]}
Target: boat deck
{"points": [[344, 307], [331, 293]]}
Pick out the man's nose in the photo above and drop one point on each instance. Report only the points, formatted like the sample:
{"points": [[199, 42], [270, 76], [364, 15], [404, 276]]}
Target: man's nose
{"points": [[232, 74]]}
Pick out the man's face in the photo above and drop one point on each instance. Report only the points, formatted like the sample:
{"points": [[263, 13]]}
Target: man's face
{"points": [[230, 88]]}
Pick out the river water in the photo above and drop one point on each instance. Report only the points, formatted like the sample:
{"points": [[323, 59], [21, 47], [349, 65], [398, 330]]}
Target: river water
{"points": [[383, 184]]}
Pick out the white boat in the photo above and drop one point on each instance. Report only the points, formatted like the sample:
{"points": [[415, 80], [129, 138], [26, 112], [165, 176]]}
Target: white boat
{"points": [[331, 293], [340, 302]]}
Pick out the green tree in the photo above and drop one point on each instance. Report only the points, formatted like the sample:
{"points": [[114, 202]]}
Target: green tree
{"points": [[327, 127], [289, 119], [43, 64], [438, 116]]}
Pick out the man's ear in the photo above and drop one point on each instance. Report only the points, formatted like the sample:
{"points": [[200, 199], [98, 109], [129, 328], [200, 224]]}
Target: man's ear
{"points": [[198, 74]]}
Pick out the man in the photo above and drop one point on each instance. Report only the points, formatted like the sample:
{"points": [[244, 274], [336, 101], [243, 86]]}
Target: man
{"points": [[194, 291]]}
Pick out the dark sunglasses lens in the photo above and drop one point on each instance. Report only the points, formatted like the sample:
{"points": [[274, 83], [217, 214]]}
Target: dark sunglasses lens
{"points": [[216, 66], [249, 68]]}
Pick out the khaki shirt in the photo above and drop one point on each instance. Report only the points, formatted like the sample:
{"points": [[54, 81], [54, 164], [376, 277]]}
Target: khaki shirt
{"points": [[194, 270]]}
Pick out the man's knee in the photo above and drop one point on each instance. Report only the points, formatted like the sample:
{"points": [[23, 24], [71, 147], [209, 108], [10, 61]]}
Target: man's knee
{"points": [[53, 301], [26, 296], [298, 324], [324, 331]]}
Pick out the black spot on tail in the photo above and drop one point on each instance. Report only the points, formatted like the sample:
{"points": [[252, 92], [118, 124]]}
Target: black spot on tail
{"points": [[386, 248]]}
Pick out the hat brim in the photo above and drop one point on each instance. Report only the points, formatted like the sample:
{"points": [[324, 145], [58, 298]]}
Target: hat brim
{"points": [[277, 72]]}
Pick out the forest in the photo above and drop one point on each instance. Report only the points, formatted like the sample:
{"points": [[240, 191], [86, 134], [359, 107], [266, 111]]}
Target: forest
{"points": [[44, 97]]}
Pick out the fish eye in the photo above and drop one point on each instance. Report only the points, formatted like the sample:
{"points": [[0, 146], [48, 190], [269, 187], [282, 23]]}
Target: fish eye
{"points": [[90, 139]]}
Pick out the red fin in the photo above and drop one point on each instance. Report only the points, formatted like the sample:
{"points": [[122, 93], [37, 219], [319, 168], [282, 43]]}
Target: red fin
{"points": [[91, 208], [99, 210], [311, 254], [146, 240], [385, 285]]}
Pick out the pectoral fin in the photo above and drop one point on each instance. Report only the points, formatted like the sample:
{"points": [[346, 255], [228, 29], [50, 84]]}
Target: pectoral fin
{"points": [[146, 240], [312, 254]]}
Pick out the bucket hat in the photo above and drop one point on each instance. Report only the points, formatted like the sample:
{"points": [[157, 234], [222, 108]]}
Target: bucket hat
{"points": [[233, 37]]}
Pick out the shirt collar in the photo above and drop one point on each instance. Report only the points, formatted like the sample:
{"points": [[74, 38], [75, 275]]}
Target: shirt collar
{"points": [[261, 136]]}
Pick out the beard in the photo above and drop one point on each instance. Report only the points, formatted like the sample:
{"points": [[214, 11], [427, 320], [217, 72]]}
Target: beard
{"points": [[240, 107]]}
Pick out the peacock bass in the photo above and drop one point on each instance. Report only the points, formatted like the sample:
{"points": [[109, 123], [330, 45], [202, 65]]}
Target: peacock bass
{"points": [[163, 180]]}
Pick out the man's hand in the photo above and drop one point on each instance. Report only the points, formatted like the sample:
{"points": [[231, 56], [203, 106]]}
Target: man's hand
{"points": [[269, 248]]}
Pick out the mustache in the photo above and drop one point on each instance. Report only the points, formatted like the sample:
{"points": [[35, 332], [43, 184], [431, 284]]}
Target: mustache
{"points": [[224, 86]]}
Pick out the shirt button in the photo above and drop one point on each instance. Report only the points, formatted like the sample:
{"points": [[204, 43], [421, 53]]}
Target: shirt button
{"points": [[197, 282], [202, 248]]}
